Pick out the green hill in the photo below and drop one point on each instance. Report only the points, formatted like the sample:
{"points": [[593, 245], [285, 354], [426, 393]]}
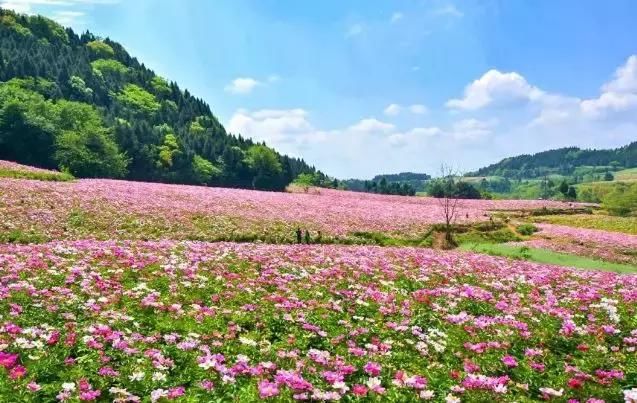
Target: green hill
{"points": [[570, 161], [82, 104]]}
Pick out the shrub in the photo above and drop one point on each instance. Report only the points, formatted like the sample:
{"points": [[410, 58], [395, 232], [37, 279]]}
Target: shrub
{"points": [[526, 229]]}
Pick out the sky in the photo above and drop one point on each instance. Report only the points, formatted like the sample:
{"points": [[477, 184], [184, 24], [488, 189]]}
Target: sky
{"points": [[364, 87]]}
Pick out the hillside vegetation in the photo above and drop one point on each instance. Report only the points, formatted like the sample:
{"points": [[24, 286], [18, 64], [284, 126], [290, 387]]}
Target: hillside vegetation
{"points": [[83, 104]]}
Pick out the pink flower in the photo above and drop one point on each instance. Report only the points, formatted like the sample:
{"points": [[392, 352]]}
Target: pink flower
{"points": [[17, 372], [90, 395], [268, 389], [207, 384], [174, 393], [372, 368], [8, 360], [33, 387], [510, 361], [359, 390]]}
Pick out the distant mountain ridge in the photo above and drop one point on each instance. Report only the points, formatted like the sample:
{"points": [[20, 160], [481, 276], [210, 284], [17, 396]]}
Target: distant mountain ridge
{"points": [[83, 104], [563, 161]]}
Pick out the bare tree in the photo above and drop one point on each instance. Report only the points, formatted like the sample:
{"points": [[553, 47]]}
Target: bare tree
{"points": [[449, 202]]}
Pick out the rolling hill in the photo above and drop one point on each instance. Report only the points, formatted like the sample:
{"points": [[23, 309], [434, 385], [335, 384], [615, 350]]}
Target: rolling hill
{"points": [[83, 104]]}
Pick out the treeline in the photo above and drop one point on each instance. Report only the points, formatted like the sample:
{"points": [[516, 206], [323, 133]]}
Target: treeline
{"points": [[563, 161], [383, 186], [84, 105]]}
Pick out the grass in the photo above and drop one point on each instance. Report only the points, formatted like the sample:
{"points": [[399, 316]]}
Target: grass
{"points": [[547, 257], [626, 175], [41, 176], [627, 225]]}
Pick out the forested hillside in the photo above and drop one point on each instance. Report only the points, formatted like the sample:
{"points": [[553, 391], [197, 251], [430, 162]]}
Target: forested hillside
{"points": [[563, 161], [84, 105]]}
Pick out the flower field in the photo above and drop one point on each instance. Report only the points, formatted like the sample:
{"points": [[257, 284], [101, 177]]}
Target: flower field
{"points": [[604, 245], [10, 169], [160, 321], [108, 209]]}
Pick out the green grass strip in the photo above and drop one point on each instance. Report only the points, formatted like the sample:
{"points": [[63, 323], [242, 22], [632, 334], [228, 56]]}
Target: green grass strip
{"points": [[547, 257]]}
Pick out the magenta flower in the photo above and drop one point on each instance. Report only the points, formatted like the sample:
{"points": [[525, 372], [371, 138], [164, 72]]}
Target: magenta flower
{"points": [[267, 389], [8, 360], [17, 372], [510, 361], [372, 368]]}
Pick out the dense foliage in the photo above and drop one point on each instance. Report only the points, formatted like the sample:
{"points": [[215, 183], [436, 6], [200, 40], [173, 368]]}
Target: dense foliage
{"points": [[563, 161], [449, 187], [83, 104]]}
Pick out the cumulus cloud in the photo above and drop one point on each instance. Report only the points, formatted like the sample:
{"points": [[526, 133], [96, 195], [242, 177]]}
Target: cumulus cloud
{"points": [[395, 109], [392, 110], [413, 136], [496, 88], [371, 126], [242, 85], [472, 129], [418, 109], [617, 96]]}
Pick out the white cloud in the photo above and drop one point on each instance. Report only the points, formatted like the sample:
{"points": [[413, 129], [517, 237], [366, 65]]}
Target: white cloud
{"points": [[413, 136], [625, 80], [418, 109], [607, 103], [617, 96], [275, 126], [496, 88], [67, 17], [472, 129], [392, 110], [371, 126], [395, 17], [449, 10], [242, 85], [354, 30], [395, 109]]}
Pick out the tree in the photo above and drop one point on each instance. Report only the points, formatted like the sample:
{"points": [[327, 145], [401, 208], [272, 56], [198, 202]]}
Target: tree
{"points": [[465, 190], [563, 188], [204, 171], [449, 204], [571, 193], [608, 176], [621, 201], [85, 147], [266, 167]]}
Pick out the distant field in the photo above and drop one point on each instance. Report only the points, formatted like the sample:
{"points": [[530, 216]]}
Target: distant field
{"points": [[627, 175], [18, 171], [548, 257], [626, 225], [109, 209]]}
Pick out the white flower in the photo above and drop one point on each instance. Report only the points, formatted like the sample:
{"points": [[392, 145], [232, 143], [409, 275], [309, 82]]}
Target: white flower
{"points": [[158, 394], [426, 394], [159, 377], [68, 386], [500, 389], [630, 396], [451, 399], [552, 392], [373, 383], [137, 376]]}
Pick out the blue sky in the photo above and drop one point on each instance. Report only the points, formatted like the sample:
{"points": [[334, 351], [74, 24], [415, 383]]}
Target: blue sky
{"points": [[365, 87]]}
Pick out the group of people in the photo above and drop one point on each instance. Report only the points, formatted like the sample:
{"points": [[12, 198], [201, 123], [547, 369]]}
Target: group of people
{"points": [[300, 238]]}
